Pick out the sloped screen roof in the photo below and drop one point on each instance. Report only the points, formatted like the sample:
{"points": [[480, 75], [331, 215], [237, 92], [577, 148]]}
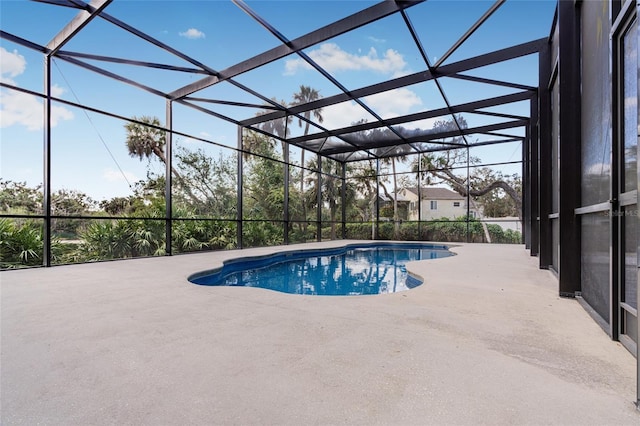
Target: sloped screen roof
{"points": [[348, 80]]}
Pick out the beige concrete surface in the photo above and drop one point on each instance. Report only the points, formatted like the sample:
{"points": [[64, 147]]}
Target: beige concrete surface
{"points": [[485, 340]]}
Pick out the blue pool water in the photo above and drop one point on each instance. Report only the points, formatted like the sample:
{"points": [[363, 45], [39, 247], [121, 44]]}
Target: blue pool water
{"points": [[350, 270]]}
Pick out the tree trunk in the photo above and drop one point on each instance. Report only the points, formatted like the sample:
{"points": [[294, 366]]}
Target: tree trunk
{"points": [[396, 219], [181, 181], [332, 208], [460, 187], [304, 205], [487, 236]]}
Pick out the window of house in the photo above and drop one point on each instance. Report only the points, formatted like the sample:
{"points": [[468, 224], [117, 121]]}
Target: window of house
{"points": [[456, 204], [434, 205]]}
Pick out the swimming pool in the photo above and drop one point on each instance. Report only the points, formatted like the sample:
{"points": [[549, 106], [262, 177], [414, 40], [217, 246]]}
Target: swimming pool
{"points": [[350, 270]]}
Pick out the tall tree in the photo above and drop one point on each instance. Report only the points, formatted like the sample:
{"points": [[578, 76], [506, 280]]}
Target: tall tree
{"points": [[397, 154], [145, 139], [278, 127], [18, 198], [391, 156], [362, 188], [363, 183], [263, 196], [304, 96], [438, 168], [212, 180], [330, 191]]}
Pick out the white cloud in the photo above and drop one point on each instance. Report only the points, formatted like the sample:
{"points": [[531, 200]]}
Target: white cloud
{"points": [[188, 141], [57, 91], [348, 113], [22, 108], [393, 103], [205, 135], [113, 175], [331, 57], [12, 64], [27, 110], [377, 40], [426, 124], [193, 34], [343, 115]]}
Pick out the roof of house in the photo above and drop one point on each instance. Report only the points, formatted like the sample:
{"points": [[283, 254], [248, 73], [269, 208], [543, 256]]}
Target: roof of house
{"points": [[436, 193], [400, 197]]}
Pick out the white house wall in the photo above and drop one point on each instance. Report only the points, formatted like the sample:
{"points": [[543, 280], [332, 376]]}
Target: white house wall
{"points": [[446, 208]]}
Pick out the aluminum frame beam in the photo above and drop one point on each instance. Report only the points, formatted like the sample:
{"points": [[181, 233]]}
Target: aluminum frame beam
{"points": [[23, 42], [501, 55], [425, 58], [112, 75], [76, 24], [492, 81], [361, 18], [131, 62], [569, 75], [430, 137], [327, 32], [310, 61], [469, 32], [467, 107]]}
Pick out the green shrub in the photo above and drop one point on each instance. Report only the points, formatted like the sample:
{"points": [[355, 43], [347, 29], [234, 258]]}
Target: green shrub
{"points": [[358, 231], [262, 233], [22, 245], [298, 234], [117, 239], [408, 231], [385, 230]]}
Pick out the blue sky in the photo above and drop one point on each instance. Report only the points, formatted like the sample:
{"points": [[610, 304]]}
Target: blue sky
{"points": [[89, 151]]}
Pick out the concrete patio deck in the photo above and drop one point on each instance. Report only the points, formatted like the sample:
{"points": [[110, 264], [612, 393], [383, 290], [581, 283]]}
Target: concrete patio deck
{"points": [[485, 340]]}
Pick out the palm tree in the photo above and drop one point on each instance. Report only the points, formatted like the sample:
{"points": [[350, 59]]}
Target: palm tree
{"points": [[392, 156], [253, 142], [330, 192], [306, 95], [396, 212], [145, 138]]}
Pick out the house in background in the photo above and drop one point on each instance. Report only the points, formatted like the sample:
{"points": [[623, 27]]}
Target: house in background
{"points": [[435, 203], [386, 206]]}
